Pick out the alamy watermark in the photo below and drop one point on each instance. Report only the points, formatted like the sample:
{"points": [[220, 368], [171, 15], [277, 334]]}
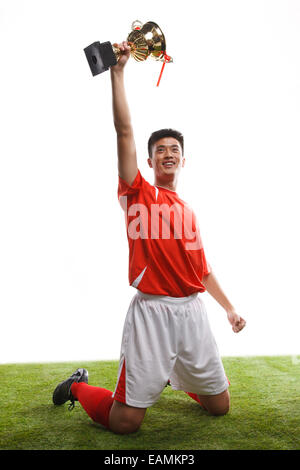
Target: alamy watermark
{"points": [[145, 223]]}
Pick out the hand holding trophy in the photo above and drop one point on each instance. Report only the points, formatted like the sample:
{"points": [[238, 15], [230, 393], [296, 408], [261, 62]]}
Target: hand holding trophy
{"points": [[144, 40], [125, 54]]}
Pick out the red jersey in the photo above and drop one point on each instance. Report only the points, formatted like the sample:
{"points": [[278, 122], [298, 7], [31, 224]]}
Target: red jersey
{"points": [[166, 255]]}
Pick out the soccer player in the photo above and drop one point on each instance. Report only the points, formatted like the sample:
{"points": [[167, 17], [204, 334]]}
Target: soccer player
{"points": [[166, 338]]}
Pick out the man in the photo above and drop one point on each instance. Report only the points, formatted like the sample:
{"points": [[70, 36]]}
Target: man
{"points": [[167, 338]]}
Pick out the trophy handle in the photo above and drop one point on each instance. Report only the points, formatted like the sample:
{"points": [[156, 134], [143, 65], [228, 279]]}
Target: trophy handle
{"points": [[137, 24]]}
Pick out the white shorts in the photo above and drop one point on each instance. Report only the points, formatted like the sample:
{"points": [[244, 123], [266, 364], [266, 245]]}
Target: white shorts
{"points": [[167, 338]]}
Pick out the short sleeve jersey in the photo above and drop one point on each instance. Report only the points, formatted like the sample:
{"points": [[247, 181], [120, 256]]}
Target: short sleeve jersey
{"points": [[166, 255]]}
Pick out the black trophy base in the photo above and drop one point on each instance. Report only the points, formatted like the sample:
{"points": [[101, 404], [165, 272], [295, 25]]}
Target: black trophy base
{"points": [[100, 57]]}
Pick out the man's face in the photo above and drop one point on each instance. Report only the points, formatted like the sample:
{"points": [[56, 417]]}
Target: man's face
{"points": [[167, 157]]}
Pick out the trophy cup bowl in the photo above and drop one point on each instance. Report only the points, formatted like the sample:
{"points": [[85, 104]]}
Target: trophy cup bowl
{"points": [[144, 40]]}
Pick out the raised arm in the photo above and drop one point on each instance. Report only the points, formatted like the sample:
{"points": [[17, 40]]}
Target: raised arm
{"points": [[127, 160]]}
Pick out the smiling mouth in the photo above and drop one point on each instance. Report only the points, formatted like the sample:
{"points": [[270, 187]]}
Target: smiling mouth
{"points": [[168, 164]]}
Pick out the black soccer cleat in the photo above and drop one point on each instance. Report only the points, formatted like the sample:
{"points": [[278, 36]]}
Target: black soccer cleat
{"points": [[62, 393]]}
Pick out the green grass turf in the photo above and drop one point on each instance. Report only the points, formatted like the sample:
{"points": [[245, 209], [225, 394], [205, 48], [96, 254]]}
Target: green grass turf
{"points": [[264, 414]]}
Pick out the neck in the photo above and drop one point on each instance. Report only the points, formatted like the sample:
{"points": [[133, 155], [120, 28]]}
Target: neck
{"points": [[171, 185]]}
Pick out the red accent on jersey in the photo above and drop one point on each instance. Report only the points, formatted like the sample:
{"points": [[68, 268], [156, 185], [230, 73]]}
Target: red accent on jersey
{"points": [[166, 255]]}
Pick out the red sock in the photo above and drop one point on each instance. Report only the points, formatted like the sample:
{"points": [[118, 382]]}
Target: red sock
{"points": [[195, 397], [96, 401]]}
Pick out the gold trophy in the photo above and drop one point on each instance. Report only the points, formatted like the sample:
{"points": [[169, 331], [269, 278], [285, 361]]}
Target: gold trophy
{"points": [[144, 40]]}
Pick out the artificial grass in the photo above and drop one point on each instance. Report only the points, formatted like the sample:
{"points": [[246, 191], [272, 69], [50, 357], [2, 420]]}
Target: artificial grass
{"points": [[264, 414]]}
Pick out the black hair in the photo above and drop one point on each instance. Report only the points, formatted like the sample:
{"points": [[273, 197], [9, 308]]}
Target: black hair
{"points": [[157, 135]]}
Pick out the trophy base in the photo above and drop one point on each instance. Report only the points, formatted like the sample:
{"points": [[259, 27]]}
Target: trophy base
{"points": [[100, 57]]}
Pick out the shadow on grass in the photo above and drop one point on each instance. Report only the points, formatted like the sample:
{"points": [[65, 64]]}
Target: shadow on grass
{"points": [[167, 423], [260, 418], [264, 412]]}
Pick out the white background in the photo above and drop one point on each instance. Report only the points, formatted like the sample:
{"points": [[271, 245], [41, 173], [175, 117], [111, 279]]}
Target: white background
{"points": [[234, 92]]}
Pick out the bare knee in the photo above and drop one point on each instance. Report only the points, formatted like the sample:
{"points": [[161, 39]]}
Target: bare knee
{"points": [[217, 405], [124, 419], [219, 411], [125, 427]]}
